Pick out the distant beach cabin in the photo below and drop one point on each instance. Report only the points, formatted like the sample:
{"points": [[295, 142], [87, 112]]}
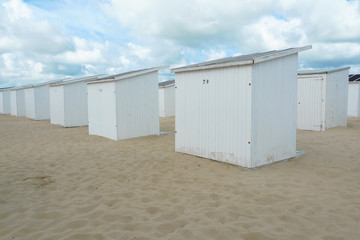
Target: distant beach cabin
{"points": [[5, 105], [239, 110], [17, 96], [125, 105], [167, 98], [322, 98], [37, 100], [68, 102], [354, 96]]}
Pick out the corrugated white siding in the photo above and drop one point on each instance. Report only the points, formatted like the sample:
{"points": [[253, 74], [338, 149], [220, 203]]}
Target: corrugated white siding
{"points": [[29, 103], [167, 101], [102, 109], [20, 102], [1, 103], [5, 102], [170, 101], [213, 114], [311, 104], [161, 102], [42, 103], [137, 106], [13, 102], [274, 89], [76, 109], [354, 100], [336, 99], [57, 105]]}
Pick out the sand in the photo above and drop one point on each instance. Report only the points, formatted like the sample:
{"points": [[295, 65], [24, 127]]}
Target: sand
{"points": [[58, 183]]}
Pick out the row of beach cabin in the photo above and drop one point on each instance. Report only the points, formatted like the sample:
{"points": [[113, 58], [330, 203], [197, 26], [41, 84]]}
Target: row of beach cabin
{"points": [[242, 110]]}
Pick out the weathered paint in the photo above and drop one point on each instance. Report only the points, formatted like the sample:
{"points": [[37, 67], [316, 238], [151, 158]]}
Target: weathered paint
{"points": [[274, 110], [243, 115], [213, 114], [354, 100]]}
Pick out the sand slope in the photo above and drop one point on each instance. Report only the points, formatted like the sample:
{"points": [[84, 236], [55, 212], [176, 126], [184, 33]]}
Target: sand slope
{"points": [[58, 183]]}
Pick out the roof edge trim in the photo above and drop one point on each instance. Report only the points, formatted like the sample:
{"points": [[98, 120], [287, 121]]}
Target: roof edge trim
{"points": [[321, 71], [131, 74]]}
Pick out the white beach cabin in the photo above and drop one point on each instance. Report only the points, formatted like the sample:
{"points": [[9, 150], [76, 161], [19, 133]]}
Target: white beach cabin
{"points": [[68, 102], [167, 98], [239, 110], [17, 96], [37, 100], [5, 105], [354, 96], [322, 98], [125, 105]]}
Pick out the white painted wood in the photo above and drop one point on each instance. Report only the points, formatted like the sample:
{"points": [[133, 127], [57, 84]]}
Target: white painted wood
{"points": [[29, 103], [243, 115], [57, 107], [124, 108], [76, 105], [213, 114], [5, 102], [68, 105], [336, 99], [354, 100], [18, 102], [162, 102], [102, 110], [13, 103], [167, 101], [310, 103], [137, 105], [42, 102], [1, 103], [333, 92], [37, 100], [273, 136]]}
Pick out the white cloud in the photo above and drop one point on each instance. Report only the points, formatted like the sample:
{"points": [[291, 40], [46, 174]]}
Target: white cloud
{"points": [[272, 33], [332, 55], [16, 10], [139, 51], [19, 68], [213, 54], [336, 20], [73, 38]]}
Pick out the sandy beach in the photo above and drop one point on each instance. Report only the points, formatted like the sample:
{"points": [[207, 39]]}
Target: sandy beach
{"points": [[58, 183]]}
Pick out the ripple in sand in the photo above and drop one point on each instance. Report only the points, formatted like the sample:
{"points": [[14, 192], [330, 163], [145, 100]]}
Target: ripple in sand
{"points": [[166, 228], [255, 236], [117, 218], [153, 210], [77, 224], [39, 181]]}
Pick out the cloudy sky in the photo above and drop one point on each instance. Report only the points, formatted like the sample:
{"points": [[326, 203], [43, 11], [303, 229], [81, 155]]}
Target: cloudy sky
{"points": [[43, 40]]}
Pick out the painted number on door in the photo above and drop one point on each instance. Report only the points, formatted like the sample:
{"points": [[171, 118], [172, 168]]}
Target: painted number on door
{"points": [[205, 81]]}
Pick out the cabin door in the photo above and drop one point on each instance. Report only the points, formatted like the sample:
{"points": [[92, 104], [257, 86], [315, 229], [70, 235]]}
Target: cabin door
{"points": [[310, 103]]}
